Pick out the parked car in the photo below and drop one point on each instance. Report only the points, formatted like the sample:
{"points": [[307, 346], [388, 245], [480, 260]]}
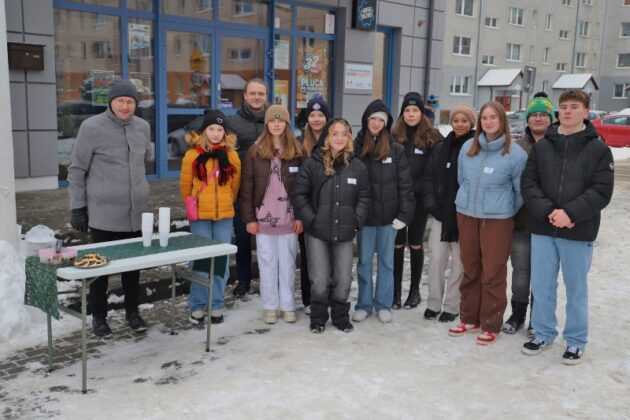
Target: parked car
{"points": [[614, 129], [517, 123], [176, 138], [595, 114]]}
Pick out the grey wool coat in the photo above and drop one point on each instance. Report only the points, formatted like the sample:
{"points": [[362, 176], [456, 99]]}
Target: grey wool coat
{"points": [[107, 172]]}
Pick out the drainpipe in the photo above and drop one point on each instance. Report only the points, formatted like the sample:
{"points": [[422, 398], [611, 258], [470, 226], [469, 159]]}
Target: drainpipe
{"points": [[577, 20], [602, 45], [427, 58], [476, 76]]}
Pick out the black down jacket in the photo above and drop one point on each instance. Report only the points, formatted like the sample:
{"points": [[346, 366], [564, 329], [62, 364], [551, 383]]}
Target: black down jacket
{"points": [[418, 160], [573, 173], [334, 207], [390, 178], [247, 126]]}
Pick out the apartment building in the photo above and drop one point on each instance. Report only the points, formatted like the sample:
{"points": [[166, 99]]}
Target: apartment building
{"points": [[508, 50]]}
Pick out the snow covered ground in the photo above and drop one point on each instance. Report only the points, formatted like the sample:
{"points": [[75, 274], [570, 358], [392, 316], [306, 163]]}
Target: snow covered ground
{"points": [[408, 369]]}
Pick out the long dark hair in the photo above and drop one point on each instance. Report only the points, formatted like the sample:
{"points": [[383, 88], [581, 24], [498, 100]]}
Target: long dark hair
{"points": [[376, 146], [424, 136]]}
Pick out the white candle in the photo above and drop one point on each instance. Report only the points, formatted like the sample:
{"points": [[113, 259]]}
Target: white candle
{"points": [[147, 229], [164, 225]]}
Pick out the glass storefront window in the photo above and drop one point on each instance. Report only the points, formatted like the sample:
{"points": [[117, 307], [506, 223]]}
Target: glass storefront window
{"points": [[283, 16], [200, 9], [87, 60], [188, 65], [241, 60], [311, 20], [248, 12], [142, 5], [112, 3], [314, 71], [177, 126], [141, 73], [282, 70]]}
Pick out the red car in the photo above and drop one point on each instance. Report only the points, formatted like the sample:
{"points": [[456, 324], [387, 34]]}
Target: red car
{"points": [[614, 129]]}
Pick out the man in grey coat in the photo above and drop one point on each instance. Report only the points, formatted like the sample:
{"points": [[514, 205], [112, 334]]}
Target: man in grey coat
{"points": [[108, 190]]}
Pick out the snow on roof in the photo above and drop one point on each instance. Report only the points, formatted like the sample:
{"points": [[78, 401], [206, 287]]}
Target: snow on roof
{"points": [[232, 82], [499, 77], [574, 81]]}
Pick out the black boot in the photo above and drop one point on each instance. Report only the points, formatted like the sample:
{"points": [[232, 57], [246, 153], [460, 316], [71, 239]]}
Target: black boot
{"points": [[399, 260], [417, 262], [517, 319]]}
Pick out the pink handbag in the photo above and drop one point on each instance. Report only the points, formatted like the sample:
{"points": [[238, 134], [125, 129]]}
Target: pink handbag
{"points": [[192, 208]]}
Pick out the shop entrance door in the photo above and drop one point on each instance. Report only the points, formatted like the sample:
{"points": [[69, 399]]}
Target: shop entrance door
{"points": [[201, 68]]}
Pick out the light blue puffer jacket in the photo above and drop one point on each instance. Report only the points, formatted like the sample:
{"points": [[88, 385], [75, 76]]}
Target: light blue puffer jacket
{"points": [[490, 183]]}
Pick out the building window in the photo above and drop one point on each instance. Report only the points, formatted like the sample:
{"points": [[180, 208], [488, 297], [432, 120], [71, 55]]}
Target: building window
{"points": [[548, 22], [532, 54], [491, 22], [625, 29], [204, 5], [464, 7], [564, 34], [513, 52], [620, 89], [515, 16], [580, 59], [101, 49], [177, 45], [561, 66], [534, 18], [459, 85], [566, 3], [243, 7], [582, 29], [461, 45], [75, 49], [587, 2], [545, 57], [488, 60], [545, 85], [240, 54], [623, 60]]}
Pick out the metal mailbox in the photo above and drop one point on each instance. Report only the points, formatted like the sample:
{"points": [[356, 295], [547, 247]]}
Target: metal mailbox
{"points": [[25, 56]]}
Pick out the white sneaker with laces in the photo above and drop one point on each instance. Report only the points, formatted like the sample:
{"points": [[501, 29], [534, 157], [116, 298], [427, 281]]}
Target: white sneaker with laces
{"points": [[385, 316], [360, 315]]}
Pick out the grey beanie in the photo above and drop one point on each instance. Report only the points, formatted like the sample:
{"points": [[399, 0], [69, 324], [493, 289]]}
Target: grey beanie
{"points": [[122, 88]]}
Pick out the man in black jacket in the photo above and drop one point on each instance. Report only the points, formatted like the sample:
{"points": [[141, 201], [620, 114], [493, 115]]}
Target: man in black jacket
{"points": [[568, 180], [248, 124]]}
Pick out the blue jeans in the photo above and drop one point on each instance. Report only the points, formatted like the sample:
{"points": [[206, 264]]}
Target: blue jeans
{"points": [[548, 254], [221, 231], [379, 239]]}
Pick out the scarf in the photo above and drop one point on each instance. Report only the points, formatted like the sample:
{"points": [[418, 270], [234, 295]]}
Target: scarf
{"points": [[446, 176], [226, 169]]}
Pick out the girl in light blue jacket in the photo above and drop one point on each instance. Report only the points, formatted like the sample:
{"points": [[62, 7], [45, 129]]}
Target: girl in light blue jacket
{"points": [[489, 175]]}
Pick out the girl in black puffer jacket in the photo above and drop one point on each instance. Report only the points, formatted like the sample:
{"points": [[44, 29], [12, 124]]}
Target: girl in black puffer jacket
{"points": [[415, 132], [392, 209], [331, 195]]}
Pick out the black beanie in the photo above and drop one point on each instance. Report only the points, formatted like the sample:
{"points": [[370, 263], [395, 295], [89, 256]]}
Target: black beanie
{"points": [[122, 88], [413, 98], [214, 116], [317, 104]]}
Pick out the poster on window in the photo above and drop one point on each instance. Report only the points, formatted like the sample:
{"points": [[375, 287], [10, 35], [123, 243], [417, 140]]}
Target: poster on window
{"points": [[281, 92], [101, 84], [139, 40], [312, 74]]}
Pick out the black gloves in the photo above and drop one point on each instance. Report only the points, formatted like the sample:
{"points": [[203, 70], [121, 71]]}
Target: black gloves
{"points": [[79, 219]]}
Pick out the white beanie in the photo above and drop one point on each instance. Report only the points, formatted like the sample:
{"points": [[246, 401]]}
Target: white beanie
{"points": [[379, 114]]}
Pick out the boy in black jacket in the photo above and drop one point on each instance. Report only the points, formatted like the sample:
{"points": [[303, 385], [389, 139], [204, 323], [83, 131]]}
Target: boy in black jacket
{"points": [[568, 180]]}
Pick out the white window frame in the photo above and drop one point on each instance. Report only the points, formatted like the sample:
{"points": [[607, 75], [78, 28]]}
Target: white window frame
{"points": [[544, 85], [582, 28], [548, 22], [587, 2], [566, 3], [561, 67], [565, 32], [487, 60], [516, 16], [458, 83], [580, 59], [243, 5], [624, 89], [621, 35], [460, 7], [509, 51], [545, 55], [492, 20], [458, 41], [618, 60], [204, 6]]}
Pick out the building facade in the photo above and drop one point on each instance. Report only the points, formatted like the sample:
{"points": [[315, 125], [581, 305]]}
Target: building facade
{"points": [[544, 39], [188, 55]]}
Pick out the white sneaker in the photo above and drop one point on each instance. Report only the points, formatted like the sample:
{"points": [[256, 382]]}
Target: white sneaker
{"points": [[289, 317], [385, 316], [360, 315], [307, 310], [197, 317], [269, 317]]}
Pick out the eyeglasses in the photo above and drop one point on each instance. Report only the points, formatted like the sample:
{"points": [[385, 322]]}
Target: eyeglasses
{"points": [[538, 115]]}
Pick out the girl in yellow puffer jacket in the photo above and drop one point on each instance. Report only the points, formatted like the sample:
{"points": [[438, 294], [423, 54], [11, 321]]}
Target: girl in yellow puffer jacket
{"points": [[211, 171]]}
